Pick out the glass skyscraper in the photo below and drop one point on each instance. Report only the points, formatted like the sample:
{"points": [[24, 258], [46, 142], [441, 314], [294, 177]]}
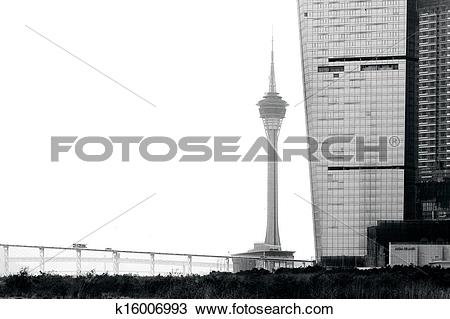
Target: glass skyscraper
{"points": [[359, 70], [434, 90], [434, 108]]}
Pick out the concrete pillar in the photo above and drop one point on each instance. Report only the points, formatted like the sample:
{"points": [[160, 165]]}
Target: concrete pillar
{"points": [[42, 257], [189, 265], [78, 262], [152, 264], [228, 264], [116, 257], [6, 261], [390, 254]]}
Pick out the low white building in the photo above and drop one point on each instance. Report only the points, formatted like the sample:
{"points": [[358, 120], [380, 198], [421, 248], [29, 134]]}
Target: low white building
{"points": [[418, 254]]}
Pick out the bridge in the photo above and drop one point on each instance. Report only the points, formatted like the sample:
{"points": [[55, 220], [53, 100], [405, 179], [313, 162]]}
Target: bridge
{"points": [[79, 260]]}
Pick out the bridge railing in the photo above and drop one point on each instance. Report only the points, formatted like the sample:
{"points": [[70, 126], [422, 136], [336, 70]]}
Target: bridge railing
{"points": [[78, 261]]}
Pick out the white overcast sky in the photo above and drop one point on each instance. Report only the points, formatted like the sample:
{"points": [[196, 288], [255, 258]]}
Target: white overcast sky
{"points": [[205, 64]]}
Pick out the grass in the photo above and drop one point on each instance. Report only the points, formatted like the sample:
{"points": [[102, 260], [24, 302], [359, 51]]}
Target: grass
{"points": [[302, 283]]}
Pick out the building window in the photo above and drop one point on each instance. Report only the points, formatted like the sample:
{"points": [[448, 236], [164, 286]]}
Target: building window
{"points": [[379, 67], [331, 69]]}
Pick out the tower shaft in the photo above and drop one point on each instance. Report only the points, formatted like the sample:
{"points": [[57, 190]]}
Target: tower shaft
{"points": [[272, 230]]}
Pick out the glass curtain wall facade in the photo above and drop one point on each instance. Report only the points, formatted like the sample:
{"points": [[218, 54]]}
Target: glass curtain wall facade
{"points": [[359, 72]]}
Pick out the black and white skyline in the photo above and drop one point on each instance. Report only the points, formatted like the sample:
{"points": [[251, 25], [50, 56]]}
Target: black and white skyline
{"points": [[204, 79]]}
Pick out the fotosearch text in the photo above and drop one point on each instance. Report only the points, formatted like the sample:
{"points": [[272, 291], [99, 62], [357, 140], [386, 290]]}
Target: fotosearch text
{"points": [[223, 148]]}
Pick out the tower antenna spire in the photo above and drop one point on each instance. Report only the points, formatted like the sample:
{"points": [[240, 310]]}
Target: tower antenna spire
{"points": [[272, 84]]}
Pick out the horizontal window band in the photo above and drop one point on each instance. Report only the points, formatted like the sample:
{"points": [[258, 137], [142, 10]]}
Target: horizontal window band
{"points": [[330, 69], [379, 67], [365, 67], [374, 58], [355, 168]]}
